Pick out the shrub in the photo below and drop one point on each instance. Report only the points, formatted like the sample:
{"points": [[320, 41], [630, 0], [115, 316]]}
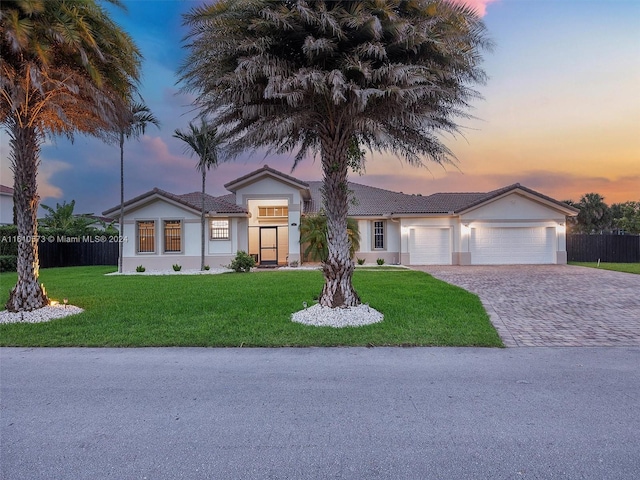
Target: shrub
{"points": [[8, 263], [361, 261], [380, 261], [140, 269], [207, 267], [177, 267], [243, 262]]}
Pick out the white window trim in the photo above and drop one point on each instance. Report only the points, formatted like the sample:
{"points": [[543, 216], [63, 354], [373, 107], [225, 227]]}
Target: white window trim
{"points": [[221, 239], [384, 236]]}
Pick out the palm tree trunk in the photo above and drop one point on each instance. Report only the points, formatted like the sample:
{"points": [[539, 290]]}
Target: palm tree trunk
{"points": [[27, 295], [338, 268], [202, 223], [120, 245]]}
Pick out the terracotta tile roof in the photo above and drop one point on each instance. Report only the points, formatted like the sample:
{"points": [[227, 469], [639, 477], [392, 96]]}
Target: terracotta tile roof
{"points": [[213, 204], [371, 201], [191, 200], [260, 171], [366, 200]]}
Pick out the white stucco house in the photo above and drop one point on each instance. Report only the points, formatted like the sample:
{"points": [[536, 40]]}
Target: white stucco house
{"points": [[6, 205], [262, 212]]}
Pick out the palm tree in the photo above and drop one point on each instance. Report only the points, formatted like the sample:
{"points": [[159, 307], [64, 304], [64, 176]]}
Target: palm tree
{"points": [[62, 217], [312, 76], [134, 124], [66, 67], [204, 141], [313, 234], [595, 215]]}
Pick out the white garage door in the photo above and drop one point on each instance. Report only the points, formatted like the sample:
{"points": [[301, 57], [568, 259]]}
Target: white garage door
{"points": [[512, 245], [430, 246]]}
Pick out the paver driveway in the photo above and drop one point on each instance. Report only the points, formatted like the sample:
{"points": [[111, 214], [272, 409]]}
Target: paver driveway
{"points": [[553, 305]]}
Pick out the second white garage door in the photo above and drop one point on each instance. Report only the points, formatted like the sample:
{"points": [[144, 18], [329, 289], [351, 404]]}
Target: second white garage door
{"points": [[512, 245], [430, 246]]}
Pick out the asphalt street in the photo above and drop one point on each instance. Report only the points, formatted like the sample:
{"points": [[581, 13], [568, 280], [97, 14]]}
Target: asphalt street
{"points": [[352, 413]]}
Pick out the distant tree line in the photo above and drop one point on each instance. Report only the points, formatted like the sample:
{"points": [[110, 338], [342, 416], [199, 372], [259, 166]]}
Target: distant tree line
{"points": [[596, 217]]}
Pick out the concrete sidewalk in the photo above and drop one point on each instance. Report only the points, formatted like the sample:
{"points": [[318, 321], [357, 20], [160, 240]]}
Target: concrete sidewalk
{"points": [[553, 305], [352, 413]]}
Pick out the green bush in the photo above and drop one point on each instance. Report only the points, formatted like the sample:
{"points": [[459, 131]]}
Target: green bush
{"points": [[8, 245], [243, 262], [140, 269], [361, 261], [380, 261], [8, 263], [177, 267]]}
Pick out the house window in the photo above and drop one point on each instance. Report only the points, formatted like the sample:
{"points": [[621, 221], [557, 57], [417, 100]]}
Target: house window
{"points": [[172, 236], [271, 212], [219, 229], [378, 235], [146, 230]]}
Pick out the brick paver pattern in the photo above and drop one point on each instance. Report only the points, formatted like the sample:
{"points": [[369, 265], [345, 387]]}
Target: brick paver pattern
{"points": [[553, 305]]}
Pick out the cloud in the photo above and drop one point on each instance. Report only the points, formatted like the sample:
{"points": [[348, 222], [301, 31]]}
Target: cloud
{"points": [[478, 5], [48, 168]]}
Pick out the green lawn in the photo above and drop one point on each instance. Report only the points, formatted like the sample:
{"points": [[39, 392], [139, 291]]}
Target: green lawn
{"points": [[251, 310], [618, 267]]}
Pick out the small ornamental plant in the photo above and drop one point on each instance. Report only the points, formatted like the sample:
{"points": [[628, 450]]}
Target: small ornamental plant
{"points": [[177, 267], [360, 261], [140, 269], [243, 262], [207, 267], [380, 261]]}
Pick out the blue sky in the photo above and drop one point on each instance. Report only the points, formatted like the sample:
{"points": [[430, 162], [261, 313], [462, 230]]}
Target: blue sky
{"points": [[561, 114]]}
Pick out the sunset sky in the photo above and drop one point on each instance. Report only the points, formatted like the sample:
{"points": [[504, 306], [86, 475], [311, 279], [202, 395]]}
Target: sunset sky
{"points": [[560, 115]]}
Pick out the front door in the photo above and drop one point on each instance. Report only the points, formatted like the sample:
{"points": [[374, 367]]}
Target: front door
{"points": [[268, 245]]}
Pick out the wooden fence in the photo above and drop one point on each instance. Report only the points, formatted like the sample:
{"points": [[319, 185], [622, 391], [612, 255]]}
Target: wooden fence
{"points": [[606, 248]]}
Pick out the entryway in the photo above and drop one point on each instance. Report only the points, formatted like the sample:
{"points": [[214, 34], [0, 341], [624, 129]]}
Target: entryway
{"points": [[268, 245]]}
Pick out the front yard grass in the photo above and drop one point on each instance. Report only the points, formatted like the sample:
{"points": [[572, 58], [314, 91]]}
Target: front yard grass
{"points": [[617, 267], [250, 310]]}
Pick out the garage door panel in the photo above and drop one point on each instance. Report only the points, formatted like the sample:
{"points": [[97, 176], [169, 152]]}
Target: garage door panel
{"points": [[512, 245], [430, 246]]}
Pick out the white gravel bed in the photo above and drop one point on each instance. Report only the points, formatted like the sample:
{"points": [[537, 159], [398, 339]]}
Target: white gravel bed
{"points": [[320, 316], [211, 271], [44, 314]]}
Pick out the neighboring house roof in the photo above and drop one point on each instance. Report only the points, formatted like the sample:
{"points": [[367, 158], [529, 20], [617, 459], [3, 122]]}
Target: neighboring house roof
{"points": [[6, 190], [213, 205]]}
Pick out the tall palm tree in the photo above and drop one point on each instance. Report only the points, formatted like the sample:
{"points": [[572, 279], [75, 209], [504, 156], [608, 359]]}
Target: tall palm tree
{"points": [[133, 125], [66, 67], [312, 76], [204, 141]]}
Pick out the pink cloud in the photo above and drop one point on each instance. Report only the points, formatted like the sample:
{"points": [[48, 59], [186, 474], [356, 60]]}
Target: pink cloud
{"points": [[479, 5]]}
